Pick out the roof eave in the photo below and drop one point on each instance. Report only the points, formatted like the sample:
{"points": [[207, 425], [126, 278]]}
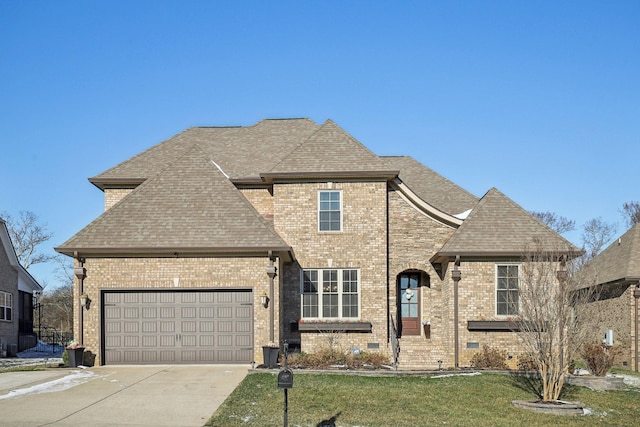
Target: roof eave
{"points": [[103, 183], [275, 176], [449, 255], [285, 252]]}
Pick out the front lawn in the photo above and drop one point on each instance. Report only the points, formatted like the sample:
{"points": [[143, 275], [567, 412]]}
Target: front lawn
{"points": [[348, 400]]}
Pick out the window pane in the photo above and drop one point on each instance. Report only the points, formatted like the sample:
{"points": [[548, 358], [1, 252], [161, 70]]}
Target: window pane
{"points": [[502, 270], [350, 306], [501, 309], [2, 313], [330, 306], [501, 296], [413, 310], [413, 281], [310, 281], [330, 281], [350, 281], [8, 313], [309, 305]]}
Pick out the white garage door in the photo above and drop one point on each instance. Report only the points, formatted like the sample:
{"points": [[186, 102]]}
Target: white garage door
{"points": [[174, 327]]}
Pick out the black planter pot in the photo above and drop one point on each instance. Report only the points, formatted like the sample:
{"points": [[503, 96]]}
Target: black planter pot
{"points": [[75, 356], [270, 356]]}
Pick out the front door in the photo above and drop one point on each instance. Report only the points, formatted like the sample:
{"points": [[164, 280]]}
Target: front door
{"points": [[409, 303]]}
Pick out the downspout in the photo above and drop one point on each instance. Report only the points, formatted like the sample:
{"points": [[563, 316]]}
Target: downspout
{"points": [[456, 275], [271, 272], [80, 273], [636, 295]]}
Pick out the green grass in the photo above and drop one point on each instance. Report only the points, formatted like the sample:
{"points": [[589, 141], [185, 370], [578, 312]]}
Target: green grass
{"points": [[482, 400], [21, 368]]}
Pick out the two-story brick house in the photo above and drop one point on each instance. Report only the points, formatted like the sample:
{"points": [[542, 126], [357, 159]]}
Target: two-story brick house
{"points": [[220, 240]]}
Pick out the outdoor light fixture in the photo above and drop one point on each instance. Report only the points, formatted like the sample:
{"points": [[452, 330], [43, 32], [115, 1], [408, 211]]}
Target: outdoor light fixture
{"points": [[85, 301], [264, 300]]}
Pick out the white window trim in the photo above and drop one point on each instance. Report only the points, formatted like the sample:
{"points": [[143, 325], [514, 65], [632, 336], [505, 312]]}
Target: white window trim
{"points": [[495, 289], [320, 293], [4, 299], [341, 210]]}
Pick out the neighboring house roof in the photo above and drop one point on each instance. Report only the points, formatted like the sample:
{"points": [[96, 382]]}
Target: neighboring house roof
{"points": [[26, 282], [431, 186], [189, 207], [241, 152], [497, 226], [332, 152], [620, 261]]}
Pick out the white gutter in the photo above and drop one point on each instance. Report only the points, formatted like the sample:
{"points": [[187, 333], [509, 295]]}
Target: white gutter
{"points": [[425, 207]]}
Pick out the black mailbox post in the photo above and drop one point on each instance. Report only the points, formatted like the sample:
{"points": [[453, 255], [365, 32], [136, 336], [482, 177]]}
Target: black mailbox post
{"points": [[285, 381]]}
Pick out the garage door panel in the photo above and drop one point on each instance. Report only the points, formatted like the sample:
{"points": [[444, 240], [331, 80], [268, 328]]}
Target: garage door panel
{"points": [[207, 326], [178, 327], [167, 340], [189, 326]]}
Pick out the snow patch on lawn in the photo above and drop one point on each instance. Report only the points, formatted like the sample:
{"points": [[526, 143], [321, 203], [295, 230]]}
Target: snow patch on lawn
{"points": [[462, 374]]}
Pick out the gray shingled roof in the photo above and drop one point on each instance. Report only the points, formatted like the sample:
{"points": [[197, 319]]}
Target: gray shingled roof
{"points": [[329, 150], [621, 260], [190, 206], [241, 152], [497, 226], [431, 186]]}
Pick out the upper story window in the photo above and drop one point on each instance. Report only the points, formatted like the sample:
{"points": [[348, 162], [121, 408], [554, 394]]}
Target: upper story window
{"points": [[507, 289], [330, 294], [6, 300], [329, 210]]}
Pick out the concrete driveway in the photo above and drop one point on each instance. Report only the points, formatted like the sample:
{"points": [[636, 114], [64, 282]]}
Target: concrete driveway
{"points": [[176, 396]]}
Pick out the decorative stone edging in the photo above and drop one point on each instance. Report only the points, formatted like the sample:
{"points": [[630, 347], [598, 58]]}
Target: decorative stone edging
{"points": [[556, 407]]}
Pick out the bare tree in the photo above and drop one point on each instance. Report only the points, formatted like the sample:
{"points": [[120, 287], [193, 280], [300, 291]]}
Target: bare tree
{"points": [[559, 224], [595, 235], [631, 213], [57, 308], [26, 235], [550, 323]]}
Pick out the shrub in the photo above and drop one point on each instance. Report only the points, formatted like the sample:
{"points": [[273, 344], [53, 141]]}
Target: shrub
{"points": [[599, 357], [490, 358], [329, 357], [526, 363]]}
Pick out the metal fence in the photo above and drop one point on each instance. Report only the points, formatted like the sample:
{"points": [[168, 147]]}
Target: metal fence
{"points": [[50, 340]]}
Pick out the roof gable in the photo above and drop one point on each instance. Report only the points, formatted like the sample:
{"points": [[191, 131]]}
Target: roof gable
{"points": [[620, 261], [330, 150], [497, 226], [190, 206], [26, 282]]}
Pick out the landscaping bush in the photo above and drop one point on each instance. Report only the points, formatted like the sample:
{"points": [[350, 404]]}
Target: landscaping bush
{"points": [[526, 363], [331, 357], [599, 357], [490, 358]]}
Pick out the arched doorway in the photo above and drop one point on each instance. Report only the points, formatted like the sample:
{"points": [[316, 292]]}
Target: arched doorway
{"points": [[409, 285]]}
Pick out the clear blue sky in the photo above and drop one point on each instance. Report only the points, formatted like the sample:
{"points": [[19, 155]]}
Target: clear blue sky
{"points": [[540, 99]]}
